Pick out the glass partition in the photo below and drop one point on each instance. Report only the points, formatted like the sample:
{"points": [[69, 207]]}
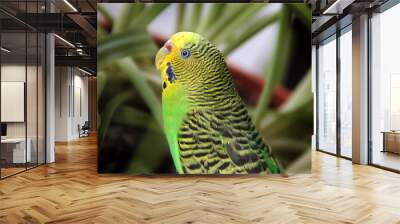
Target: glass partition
{"points": [[14, 153], [22, 77], [346, 93], [327, 95], [385, 89]]}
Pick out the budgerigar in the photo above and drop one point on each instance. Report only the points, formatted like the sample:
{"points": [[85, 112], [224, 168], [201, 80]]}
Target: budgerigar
{"points": [[206, 123]]}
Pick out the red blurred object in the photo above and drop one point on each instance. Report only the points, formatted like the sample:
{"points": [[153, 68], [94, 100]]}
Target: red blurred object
{"points": [[104, 23], [250, 85]]}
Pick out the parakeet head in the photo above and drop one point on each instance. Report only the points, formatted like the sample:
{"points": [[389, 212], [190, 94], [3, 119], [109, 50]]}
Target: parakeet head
{"points": [[190, 60]]}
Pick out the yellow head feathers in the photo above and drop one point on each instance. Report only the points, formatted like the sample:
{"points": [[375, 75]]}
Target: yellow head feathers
{"points": [[174, 46], [192, 62]]}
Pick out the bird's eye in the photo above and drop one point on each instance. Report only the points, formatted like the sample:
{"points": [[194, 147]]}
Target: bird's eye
{"points": [[185, 53]]}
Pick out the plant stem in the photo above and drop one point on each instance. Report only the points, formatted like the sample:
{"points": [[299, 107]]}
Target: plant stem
{"points": [[277, 66]]}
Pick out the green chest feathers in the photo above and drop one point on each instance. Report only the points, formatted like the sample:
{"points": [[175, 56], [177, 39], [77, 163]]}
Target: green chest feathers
{"points": [[175, 107]]}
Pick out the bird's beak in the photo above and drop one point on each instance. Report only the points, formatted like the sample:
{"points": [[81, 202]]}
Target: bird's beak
{"points": [[162, 53]]}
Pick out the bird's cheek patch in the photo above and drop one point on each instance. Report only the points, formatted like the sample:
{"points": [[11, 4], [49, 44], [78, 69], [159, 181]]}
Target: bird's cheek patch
{"points": [[170, 73]]}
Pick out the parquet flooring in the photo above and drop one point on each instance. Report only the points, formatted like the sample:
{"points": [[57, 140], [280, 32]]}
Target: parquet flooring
{"points": [[71, 191], [11, 170]]}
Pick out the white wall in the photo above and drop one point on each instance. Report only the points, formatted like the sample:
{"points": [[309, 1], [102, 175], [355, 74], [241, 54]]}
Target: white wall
{"points": [[80, 100], [62, 81], [11, 73], [70, 83]]}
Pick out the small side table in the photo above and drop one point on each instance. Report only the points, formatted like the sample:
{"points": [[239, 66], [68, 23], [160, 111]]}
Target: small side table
{"points": [[391, 141]]}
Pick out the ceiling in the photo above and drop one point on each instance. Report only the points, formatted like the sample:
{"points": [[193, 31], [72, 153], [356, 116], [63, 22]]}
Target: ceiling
{"points": [[74, 22], [330, 15]]}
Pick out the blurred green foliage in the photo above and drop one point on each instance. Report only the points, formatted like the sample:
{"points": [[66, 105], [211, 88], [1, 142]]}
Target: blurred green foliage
{"points": [[130, 134]]}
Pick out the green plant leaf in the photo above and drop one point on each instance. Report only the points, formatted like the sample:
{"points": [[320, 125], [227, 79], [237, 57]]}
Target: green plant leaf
{"points": [[214, 11], [225, 19], [250, 31], [289, 146], [302, 11], [108, 112], [195, 16], [147, 15], [134, 43], [101, 33], [180, 18], [294, 123], [300, 96], [237, 23], [149, 154], [127, 14], [101, 83], [127, 115], [98, 118], [302, 164], [140, 83]]}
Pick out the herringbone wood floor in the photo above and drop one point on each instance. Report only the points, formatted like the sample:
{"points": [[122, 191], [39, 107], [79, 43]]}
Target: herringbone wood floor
{"points": [[70, 191]]}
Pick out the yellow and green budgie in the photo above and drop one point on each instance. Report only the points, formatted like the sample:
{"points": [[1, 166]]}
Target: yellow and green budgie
{"points": [[206, 123]]}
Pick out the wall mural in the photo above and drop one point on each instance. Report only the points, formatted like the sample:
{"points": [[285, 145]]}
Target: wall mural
{"points": [[212, 88]]}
